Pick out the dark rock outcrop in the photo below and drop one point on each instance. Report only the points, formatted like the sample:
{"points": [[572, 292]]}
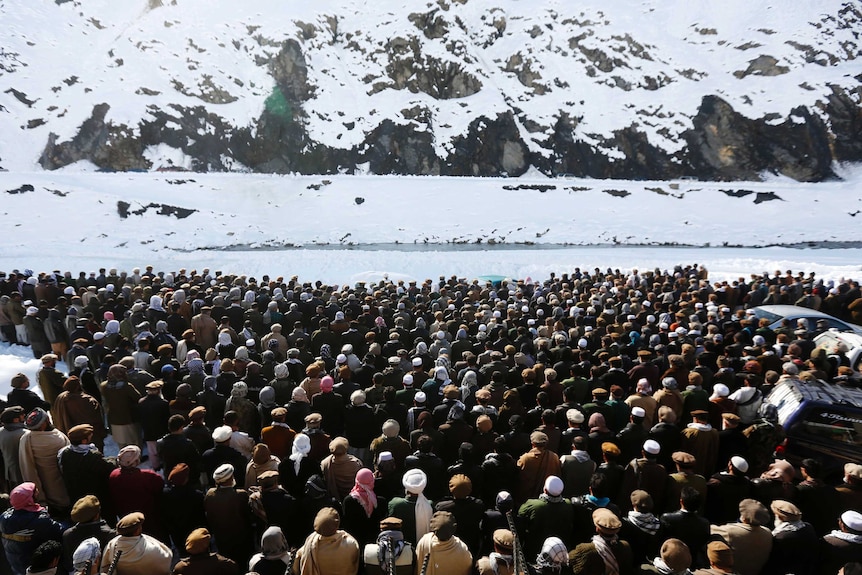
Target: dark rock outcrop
{"points": [[724, 145]]}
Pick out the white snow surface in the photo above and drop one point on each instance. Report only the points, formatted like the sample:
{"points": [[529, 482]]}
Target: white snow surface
{"points": [[420, 227], [609, 65]]}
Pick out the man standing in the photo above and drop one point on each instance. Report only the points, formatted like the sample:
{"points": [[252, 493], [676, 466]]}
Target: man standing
{"points": [[701, 440], [50, 378], [446, 554], [750, 540], [205, 328], [37, 456], [141, 554], [12, 419], [536, 466], [329, 549]]}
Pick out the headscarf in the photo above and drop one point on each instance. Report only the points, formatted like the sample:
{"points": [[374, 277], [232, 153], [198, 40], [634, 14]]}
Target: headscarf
{"points": [[89, 551], [273, 544], [414, 482], [113, 326], [195, 365], [299, 395], [129, 456], [325, 351], [553, 554], [156, 303], [22, 498], [239, 389], [300, 450], [597, 423], [363, 490], [397, 539]]}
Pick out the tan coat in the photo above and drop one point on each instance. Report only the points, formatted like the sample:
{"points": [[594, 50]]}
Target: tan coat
{"points": [[206, 330], [336, 554], [37, 456], [450, 557], [751, 546], [142, 555], [71, 409], [536, 465]]}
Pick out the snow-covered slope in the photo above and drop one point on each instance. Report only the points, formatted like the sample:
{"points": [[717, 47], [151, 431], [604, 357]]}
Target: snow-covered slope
{"points": [[454, 87]]}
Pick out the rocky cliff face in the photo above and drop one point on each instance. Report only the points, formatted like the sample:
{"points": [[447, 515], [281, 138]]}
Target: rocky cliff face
{"points": [[461, 88]]}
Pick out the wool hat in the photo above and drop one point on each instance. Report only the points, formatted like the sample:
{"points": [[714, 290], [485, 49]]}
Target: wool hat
{"points": [[311, 418], [391, 524], [36, 418], [652, 447], [720, 554], [385, 456], [81, 360], [504, 539], [611, 448], [676, 555], [198, 541], [641, 500], [460, 486], [753, 512], [739, 463], [268, 478], [260, 454], [443, 525], [606, 521], [553, 486], [11, 413], [575, 416], [80, 432], [451, 392], [223, 473], [154, 385], [18, 380], [539, 438], [197, 413], [278, 413], [129, 524], [338, 446], [731, 418], [683, 459], [86, 509], [390, 428], [179, 475], [785, 510], [852, 520], [222, 434], [326, 521]]}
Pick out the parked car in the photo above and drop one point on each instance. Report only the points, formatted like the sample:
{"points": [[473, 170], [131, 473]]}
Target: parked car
{"points": [[821, 420], [847, 343], [777, 313]]}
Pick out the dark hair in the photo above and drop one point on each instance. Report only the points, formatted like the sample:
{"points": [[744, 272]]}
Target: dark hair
{"points": [[548, 416], [231, 417], [812, 467], [599, 485], [501, 445], [852, 568], [580, 443], [690, 498], [176, 422], [45, 554], [425, 444]]}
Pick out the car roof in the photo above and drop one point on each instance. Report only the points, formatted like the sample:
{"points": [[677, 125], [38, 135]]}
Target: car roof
{"points": [[825, 392], [792, 310]]}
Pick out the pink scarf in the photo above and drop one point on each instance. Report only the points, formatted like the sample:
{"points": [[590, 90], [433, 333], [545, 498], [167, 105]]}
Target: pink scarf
{"points": [[363, 491], [21, 498]]}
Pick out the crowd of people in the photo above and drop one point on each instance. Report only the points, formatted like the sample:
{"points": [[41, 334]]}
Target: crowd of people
{"points": [[598, 422]]}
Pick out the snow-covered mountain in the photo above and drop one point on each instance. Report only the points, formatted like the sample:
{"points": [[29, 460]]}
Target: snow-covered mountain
{"points": [[646, 89]]}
